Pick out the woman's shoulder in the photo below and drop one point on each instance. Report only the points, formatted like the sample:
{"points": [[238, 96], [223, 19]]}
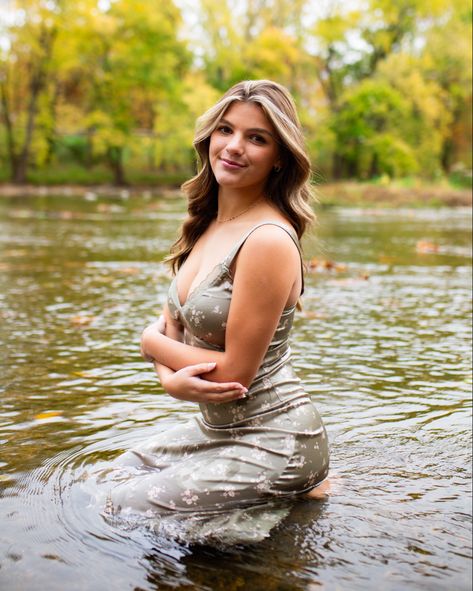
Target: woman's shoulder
{"points": [[273, 239], [272, 231]]}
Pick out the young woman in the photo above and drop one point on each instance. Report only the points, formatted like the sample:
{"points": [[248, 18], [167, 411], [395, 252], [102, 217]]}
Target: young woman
{"points": [[223, 339]]}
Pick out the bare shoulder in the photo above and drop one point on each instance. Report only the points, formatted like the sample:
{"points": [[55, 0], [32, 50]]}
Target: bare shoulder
{"points": [[267, 268], [271, 240]]}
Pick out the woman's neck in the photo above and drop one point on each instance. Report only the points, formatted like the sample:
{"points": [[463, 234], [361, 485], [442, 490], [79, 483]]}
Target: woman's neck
{"points": [[235, 202]]}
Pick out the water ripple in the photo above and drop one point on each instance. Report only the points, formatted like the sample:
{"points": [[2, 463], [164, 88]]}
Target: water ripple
{"points": [[383, 346]]}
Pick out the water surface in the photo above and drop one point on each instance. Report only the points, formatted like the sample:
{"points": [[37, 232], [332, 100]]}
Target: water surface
{"points": [[383, 345]]}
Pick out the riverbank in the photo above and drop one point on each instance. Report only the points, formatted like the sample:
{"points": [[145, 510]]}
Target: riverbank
{"points": [[357, 194], [341, 194]]}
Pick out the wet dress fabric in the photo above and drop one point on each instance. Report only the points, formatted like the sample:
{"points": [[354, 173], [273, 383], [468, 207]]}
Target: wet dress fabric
{"points": [[271, 444]]}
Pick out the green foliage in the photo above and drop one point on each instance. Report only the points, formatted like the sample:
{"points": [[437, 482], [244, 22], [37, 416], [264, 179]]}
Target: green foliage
{"points": [[381, 91], [273, 54], [368, 128]]}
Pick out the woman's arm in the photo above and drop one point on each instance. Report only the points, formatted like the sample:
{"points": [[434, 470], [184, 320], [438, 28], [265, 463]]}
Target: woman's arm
{"points": [[268, 266], [187, 383]]}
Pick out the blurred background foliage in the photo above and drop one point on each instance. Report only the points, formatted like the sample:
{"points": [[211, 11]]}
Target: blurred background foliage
{"points": [[96, 91]]}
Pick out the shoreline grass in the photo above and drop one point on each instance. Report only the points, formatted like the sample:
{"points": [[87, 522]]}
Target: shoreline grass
{"points": [[380, 193]]}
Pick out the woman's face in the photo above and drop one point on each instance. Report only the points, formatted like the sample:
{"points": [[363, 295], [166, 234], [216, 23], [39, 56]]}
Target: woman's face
{"points": [[243, 149]]}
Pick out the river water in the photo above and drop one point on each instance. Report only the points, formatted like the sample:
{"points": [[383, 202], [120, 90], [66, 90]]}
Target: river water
{"points": [[383, 345]]}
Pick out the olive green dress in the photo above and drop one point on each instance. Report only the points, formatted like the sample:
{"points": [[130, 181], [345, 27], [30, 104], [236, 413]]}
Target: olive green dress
{"points": [[271, 444]]}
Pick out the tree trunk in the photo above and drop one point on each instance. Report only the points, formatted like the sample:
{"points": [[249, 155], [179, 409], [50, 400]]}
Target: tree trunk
{"points": [[11, 146], [51, 134], [337, 166], [447, 155], [89, 161], [374, 168], [20, 170], [20, 161], [115, 160]]}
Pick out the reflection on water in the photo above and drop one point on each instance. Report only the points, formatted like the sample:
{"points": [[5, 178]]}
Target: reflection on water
{"points": [[383, 345]]}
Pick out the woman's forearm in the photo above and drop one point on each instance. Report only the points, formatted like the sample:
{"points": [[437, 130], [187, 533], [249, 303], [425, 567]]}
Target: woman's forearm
{"points": [[175, 331], [163, 372], [188, 383], [176, 355]]}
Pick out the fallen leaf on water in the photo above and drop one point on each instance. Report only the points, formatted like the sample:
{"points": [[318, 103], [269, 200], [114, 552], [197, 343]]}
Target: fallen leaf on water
{"points": [[66, 215], [47, 414], [348, 281], [427, 247], [327, 265], [313, 263], [312, 314], [81, 320], [82, 374], [316, 264]]}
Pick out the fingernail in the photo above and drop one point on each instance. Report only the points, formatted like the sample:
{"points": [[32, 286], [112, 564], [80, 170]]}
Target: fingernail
{"points": [[212, 364]]}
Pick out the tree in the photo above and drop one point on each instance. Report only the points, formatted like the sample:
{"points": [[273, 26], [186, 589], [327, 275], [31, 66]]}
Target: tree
{"points": [[447, 60], [132, 59], [25, 70], [113, 61], [368, 127], [426, 122], [383, 44]]}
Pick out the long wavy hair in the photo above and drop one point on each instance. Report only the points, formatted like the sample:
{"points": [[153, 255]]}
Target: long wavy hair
{"points": [[288, 188]]}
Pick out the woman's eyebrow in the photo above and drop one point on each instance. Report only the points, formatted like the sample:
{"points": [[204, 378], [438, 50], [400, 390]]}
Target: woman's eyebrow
{"points": [[257, 129]]}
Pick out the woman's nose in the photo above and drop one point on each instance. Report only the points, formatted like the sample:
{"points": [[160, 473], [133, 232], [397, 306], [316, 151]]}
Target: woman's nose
{"points": [[235, 143]]}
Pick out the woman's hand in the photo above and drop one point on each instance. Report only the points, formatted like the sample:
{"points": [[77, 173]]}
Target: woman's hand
{"points": [[186, 384]]}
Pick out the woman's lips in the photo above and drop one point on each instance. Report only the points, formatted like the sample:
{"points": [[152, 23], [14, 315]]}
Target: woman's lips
{"points": [[231, 164]]}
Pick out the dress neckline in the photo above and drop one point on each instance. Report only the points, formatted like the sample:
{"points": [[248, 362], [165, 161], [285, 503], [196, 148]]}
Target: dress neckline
{"points": [[224, 263]]}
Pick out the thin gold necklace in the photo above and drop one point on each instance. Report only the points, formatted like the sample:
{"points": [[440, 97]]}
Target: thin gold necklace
{"points": [[239, 214]]}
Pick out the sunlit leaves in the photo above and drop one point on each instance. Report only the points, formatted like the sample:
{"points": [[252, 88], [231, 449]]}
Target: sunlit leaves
{"points": [[369, 130], [273, 54], [122, 82]]}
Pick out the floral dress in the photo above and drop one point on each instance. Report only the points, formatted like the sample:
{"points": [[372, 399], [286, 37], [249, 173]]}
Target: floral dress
{"points": [[271, 444]]}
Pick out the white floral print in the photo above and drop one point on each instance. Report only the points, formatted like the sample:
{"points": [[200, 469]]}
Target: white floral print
{"points": [[272, 443]]}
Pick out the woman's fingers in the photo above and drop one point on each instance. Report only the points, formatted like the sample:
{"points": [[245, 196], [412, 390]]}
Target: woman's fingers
{"points": [[188, 380], [225, 397], [221, 387], [207, 385], [199, 368]]}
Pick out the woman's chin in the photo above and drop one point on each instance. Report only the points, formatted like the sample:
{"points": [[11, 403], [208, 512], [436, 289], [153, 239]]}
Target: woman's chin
{"points": [[232, 181], [227, 180]]}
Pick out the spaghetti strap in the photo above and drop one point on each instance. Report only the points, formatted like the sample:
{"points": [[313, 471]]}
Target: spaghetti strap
{"points": [[290, 231]]}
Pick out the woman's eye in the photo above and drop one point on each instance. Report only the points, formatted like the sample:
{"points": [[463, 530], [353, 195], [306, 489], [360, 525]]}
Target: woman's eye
{"points": [[225, 129], [259, 139]]}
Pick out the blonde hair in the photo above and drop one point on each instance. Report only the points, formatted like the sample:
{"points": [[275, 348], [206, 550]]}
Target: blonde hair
{"points": [[288, 189]]}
